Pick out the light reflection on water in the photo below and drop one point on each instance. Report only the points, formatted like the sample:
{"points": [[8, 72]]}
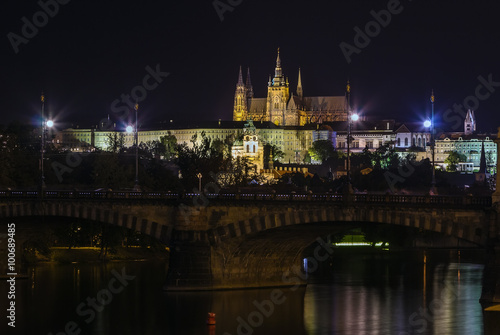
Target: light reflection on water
{"points": [[410, 298], [358, 294]]}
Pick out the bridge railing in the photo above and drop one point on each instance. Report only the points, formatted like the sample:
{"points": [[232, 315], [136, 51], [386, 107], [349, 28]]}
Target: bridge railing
{"points": [[293, 197]]}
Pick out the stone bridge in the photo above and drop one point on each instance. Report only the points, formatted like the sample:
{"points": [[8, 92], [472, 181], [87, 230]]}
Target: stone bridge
{"points": [[225, 241]]}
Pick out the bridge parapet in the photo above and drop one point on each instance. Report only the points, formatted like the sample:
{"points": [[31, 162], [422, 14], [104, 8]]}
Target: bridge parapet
{"points": [[483, 201]]}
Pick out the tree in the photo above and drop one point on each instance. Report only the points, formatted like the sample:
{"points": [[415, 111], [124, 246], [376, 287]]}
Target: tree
{"points": [[386, 158], [453, 159], [110, 172], [170, 143], [363, 159], [322, 150], [152, 149], [115, 142], [275, 151], [201, 157]]}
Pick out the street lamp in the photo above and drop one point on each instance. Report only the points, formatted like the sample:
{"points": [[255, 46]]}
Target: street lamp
{"points": [[199, 175], [350, 118], [45, 124], [136, 185], [353, 117], [433, 129], [129, 130]]}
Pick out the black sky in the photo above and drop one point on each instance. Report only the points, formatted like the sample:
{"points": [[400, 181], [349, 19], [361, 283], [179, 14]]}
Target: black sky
{"points": [[90, 53]]}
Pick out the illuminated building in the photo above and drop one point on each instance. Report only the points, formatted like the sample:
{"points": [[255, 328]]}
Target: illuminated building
{"points": [[282, 107]]}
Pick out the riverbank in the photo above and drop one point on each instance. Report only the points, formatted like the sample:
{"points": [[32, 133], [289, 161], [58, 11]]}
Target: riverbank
{"points": [[90, 255]]}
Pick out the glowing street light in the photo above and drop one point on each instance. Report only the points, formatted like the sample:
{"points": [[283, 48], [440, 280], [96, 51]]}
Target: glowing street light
{"points": [[199, 175], [136, 183], [351, 117], [427, 124], [129, 129], [45, 124]]}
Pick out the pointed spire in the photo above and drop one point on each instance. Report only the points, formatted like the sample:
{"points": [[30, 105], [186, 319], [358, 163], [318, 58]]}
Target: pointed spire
{"points": [[249, 85], [279, 79], [240, 78], [482, 163], [299, 86], [469, 123], [249, 82]]}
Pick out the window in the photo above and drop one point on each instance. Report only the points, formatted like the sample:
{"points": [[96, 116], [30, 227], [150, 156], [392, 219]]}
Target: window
{"points": [[248, 148], [254, 149], [399, 142], [406, 141]]}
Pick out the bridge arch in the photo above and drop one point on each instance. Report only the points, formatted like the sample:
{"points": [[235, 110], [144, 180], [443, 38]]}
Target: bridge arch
{"points": [[117, 215], [261, 249]]}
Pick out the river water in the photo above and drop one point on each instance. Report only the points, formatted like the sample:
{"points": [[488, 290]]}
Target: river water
{"points": [[354, 293]]}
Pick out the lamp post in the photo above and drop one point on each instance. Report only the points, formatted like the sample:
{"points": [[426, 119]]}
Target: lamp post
{"points": [[42, 181], [199, 175], [136, 138], [433, 127], [350, 118], [44, 125], [133, 130]]}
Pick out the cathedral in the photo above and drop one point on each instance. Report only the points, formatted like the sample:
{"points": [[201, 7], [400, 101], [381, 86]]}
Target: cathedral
{"points": [[282, 107]]}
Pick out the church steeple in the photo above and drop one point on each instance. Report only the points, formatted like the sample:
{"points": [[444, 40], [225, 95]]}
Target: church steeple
{"points": [[278, 95], [279, 78], [469, 123], [240, 110], [300, 93], [240, 79], [249, 85]]}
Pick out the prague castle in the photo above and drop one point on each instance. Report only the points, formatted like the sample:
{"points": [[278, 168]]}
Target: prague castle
{"points": [[282, 107], [292, 123]]}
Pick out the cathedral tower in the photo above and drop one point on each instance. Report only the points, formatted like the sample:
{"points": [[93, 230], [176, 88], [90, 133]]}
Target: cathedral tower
{"points": [[278, 94], [470, 123], [300, 93], [240, 110]]}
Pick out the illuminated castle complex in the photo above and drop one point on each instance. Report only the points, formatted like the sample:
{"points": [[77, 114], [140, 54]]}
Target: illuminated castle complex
{"points": [[282, 107]]}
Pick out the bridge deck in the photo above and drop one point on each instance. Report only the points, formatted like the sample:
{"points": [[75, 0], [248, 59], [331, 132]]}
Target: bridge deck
{"points": [[436, 200]]}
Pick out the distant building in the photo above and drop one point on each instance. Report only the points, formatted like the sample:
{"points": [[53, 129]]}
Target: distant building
{"points": [[468, 143], [250, 147], [282, 107]]}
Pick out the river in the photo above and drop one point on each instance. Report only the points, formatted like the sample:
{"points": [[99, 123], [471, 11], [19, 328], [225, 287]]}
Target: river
{"points": [[436, 292]]}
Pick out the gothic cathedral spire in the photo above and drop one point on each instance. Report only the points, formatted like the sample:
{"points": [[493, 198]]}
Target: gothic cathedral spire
{"points": [[278, 95], [249, 85], [279, 78], [240, 110], [469, 123], [300, 93]]}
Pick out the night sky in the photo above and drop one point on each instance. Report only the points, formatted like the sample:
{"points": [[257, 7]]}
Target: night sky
{"points": [[90, 53]]}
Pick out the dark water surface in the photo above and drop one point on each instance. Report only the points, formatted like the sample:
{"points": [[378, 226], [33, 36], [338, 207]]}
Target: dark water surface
{"points": [[355, 293]]}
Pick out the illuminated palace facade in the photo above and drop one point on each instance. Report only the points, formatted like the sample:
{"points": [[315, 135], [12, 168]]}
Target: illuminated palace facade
{"points": [[282, 107]]}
